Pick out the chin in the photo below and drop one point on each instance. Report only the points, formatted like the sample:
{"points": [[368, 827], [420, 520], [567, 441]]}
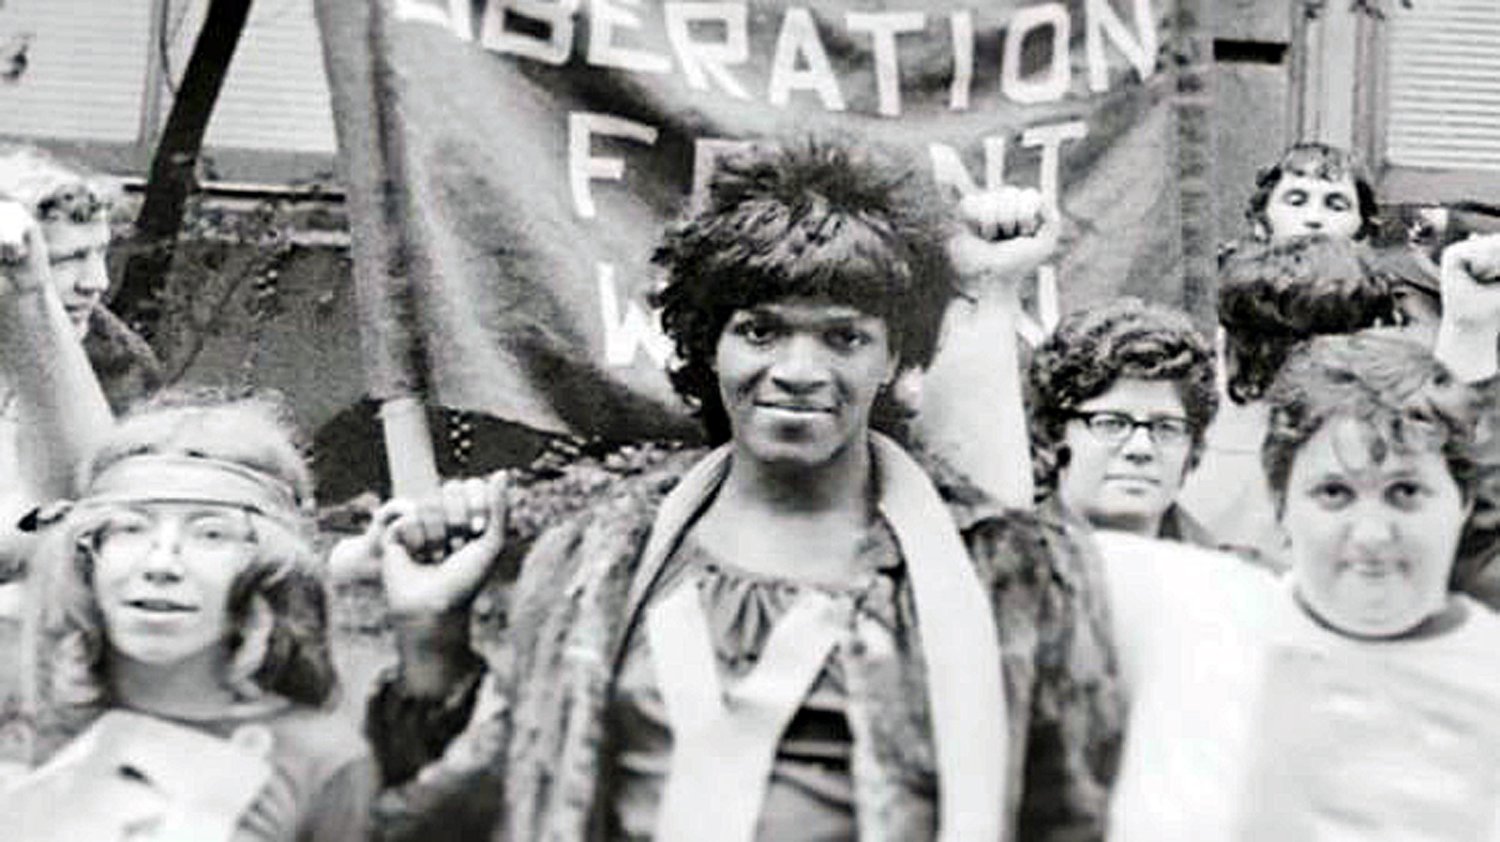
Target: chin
{"points": [[793, 457], [1367, 626], [1130, 515], [157, 656], [1123, 522], [771, 448], [1383, 619]]}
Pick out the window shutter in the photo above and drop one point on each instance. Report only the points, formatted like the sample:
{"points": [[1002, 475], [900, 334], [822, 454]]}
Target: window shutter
{"points": [[1443, 86]]}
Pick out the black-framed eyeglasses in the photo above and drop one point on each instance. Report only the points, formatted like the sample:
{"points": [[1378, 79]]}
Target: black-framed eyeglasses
{"points": [[1117, 427]]}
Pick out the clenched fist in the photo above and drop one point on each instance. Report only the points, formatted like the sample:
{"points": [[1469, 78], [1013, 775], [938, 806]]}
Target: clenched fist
{"points": [[23, 252], [436, 552], [1003, 234], [1471, 282]]}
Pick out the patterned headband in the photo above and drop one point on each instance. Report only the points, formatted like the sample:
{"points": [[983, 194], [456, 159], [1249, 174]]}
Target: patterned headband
{"points": [[176, 478]]}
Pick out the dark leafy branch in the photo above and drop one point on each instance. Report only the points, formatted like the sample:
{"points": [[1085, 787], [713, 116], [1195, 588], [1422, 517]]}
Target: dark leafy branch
{"points": [[174, 165]]}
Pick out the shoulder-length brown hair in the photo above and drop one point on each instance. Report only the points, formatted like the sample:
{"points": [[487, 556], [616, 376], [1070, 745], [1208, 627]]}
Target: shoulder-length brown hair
{"points": [[277, 634]]}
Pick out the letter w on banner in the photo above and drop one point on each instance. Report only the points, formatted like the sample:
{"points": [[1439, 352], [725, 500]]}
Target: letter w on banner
{"points": [[511, 164]]}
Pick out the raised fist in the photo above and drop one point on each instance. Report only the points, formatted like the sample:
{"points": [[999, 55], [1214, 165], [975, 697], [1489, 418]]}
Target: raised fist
{"points": [[1003, 233], [23, 252], [1471, 282], [436, 552]]}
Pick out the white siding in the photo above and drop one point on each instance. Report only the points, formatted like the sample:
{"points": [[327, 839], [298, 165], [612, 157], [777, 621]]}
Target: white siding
{"points": [[276, 96], [1444, 85], [89, 63], [86, 70]]}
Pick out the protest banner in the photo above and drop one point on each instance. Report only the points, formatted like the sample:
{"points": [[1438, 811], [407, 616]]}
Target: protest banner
{"points": [[512, 163]]}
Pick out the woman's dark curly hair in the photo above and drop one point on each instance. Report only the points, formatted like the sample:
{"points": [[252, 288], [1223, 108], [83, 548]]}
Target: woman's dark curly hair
{"points": [[1480, 545], [1092, 349], [1275, 295], [1409, 401], [1313, 160], [277, 607], [819, 220]]}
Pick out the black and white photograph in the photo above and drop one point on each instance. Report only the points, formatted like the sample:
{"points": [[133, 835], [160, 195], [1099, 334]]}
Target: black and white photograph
{"points": [[750, 420]]}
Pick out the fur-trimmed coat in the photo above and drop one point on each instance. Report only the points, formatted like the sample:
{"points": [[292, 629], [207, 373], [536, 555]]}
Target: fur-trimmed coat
{"points": [[126, 366], [533, 761]]}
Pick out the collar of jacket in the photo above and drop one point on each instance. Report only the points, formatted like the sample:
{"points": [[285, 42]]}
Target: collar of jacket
{"points": [[960, 643]]}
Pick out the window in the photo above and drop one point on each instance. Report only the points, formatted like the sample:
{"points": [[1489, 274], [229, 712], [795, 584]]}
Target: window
{"points": [[84, 73], [99, 76], [1417, 92], [1438, 132]]}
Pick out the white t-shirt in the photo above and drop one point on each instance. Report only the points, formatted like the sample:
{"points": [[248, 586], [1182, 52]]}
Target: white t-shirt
{"points": [[1240, 700]]}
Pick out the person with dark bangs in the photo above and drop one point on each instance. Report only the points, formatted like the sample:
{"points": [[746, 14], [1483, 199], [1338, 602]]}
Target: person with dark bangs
{"points": [[1272, 297], [1119, 397], [794, 639], [1313, 188], [1319, 190]]}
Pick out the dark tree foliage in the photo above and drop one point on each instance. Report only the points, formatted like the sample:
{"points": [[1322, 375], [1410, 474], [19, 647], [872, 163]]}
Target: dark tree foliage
{"points": [[174, 165]]}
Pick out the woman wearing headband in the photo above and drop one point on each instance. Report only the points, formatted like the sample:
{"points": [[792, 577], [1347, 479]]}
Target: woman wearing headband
{"points": [[182, 615]]}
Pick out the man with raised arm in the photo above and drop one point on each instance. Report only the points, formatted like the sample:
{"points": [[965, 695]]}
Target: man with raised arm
{"points": [[67, 210]]}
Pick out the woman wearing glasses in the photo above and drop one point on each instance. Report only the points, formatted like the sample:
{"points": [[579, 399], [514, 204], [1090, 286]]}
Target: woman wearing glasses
{"points": [[1118, 399], [181, 614]]}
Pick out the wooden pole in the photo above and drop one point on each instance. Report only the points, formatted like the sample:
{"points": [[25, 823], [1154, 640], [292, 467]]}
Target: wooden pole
{"points": [[408, 447], [372, 158]]}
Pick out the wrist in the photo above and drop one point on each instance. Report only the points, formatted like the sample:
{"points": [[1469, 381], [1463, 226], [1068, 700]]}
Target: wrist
{"points": [[29, 301], [990, 288], [433, 650]]}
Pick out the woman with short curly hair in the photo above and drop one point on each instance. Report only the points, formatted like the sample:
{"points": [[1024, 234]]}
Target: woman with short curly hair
{"points": [[1268, 705], [1119, 397], [67, 209], [72, 205]]}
